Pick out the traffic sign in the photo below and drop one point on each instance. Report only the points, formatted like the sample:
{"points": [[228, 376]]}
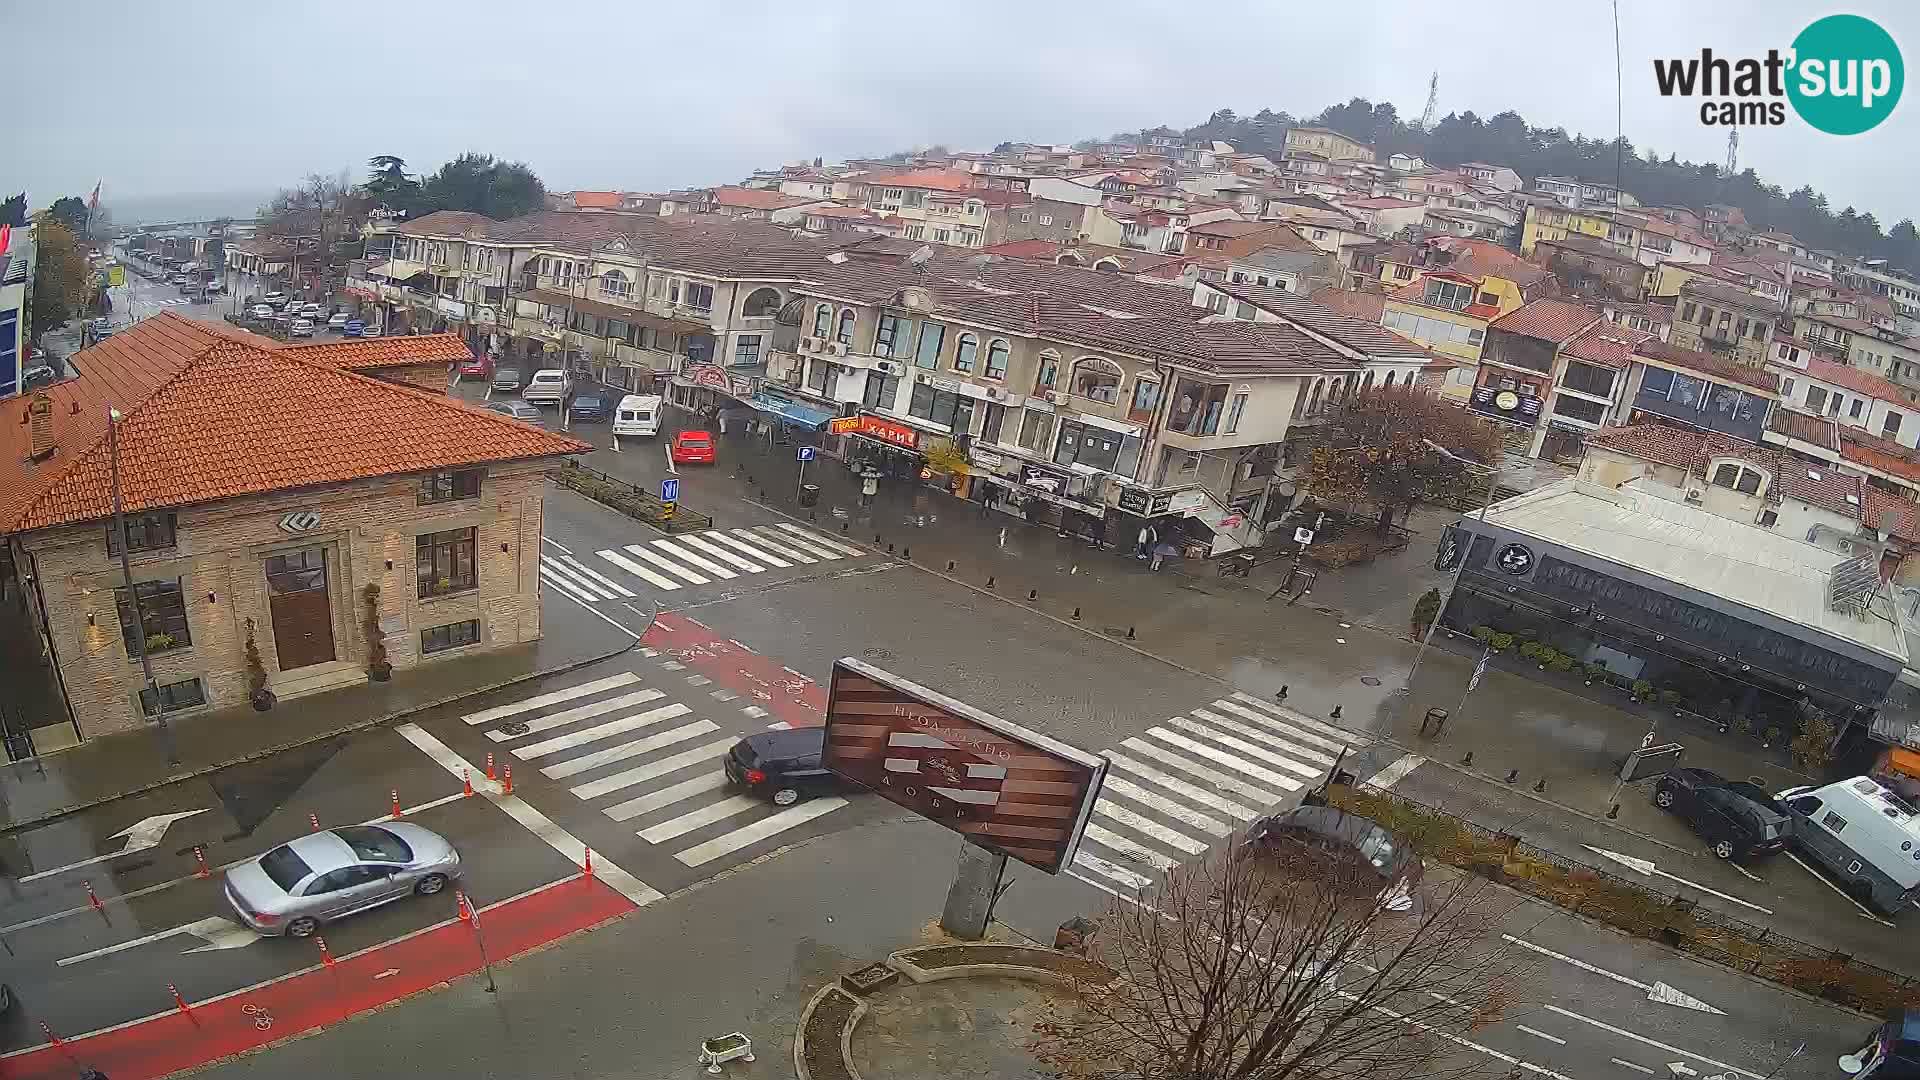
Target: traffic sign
{"points": [[806, 453], [670, 489], [1303, 536]]}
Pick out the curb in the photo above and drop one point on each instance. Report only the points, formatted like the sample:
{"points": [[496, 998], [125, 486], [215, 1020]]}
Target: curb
{"points": [[846, 1033], [309, 739]]}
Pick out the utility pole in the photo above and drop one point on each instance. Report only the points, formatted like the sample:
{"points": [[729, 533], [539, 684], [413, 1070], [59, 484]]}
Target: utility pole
{"points": [[1460, 561]]}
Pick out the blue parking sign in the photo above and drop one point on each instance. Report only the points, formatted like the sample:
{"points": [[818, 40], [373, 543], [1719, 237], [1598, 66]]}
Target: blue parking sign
{"points": [[806, 453], [670, 489]]}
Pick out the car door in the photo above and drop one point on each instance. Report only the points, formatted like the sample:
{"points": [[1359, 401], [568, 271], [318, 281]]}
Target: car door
{"points": [[342, 892], [1711, 816], [807, 774]]}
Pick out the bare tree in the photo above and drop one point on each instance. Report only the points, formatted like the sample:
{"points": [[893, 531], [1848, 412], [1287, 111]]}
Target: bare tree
{"points": [[313, 218], [1287, 958]]}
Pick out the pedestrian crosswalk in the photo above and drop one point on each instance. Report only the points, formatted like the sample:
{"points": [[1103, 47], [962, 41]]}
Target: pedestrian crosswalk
{"points": [[1183, 785], [700, 558], [645, 761]]}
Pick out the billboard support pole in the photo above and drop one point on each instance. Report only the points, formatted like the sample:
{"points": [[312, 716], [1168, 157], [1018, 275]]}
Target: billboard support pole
{"points": [[976, 885]]}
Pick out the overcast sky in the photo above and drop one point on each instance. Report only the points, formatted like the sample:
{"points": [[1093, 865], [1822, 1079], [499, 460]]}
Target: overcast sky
{"points": [[223, 95]]}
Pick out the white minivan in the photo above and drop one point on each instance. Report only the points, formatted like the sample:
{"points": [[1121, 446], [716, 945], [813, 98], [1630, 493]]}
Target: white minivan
{"points": [[637, 414], [549, 386], [1866, 836]]}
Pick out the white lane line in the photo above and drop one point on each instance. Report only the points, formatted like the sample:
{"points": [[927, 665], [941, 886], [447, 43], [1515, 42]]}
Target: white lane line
{"points": [[729, 843], [1864, 911], [754, 711], [547, 575], [637, 570], [605, 582], [1623, 1033], [554, 567], [817, 540], [780, 725], [1310, 772], [791, 551], [667, 796], [593, 789], [696, 559], [541, 701], [1295, 716], [737, 544], [1538, 1034], [671, 567], [1111, 871], [1394, 773], [1294, 751], [1173, 808], [698, 541], [1126, 818], [599, 732], [200, 929], [545, 539], [1113, 841], [1647, 867], [768, 534], [1178, 786], [1281, 727], [695, 819], [1259, 796], [583, 712], [1631, 1065], [639, 892], [626, 750]]}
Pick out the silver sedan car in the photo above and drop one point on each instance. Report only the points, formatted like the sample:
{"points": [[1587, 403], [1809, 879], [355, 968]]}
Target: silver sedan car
{"points": [[328, 875]]}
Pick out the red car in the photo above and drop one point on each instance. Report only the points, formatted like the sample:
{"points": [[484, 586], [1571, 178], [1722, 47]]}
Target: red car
{"points": [[692, 448], [479, 367]]}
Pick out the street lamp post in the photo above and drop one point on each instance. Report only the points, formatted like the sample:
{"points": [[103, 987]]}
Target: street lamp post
{"points": [[1460, 564], [139, 637]]}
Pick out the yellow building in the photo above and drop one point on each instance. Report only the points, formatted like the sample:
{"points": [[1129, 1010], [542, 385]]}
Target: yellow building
{"points": [[1444, 292], [1558, 223]]}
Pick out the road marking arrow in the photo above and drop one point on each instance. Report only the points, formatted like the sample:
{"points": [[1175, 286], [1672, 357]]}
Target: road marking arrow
{"points": [[140, 836], [1679, 1068], [1667, 995], [1656, 992], [218, 933], [1646, 866]]}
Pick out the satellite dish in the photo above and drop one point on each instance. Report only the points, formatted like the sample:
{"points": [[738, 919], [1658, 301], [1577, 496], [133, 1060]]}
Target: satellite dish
{"points": [[920, 257], [982, 259]]}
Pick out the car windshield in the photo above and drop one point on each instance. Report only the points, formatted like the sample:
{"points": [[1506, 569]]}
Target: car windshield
{"points": [[698, 442], [285, 867], [374, 844]]}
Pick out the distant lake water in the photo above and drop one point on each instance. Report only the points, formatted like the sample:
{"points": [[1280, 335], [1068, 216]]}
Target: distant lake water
{"points": [[140, 210]]}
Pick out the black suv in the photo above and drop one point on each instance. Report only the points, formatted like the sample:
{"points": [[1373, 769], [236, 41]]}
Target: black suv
{"points": [[1737, 819], [782, 765]]}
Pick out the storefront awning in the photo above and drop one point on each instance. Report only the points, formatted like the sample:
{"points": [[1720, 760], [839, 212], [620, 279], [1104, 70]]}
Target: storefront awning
{"points": [[794, 412], [397, 270], [586, 306]]}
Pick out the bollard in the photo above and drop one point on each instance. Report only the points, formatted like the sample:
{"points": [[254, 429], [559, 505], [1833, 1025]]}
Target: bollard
{"points": [[1281, 694], [889, 548], [51, 1037], [326, 958], [813, 515], [92, 900], [1076, 614], [466, 782], [876, 538], [1540, 786], [1613, 812], [1336, 713], [1467, 762], [906, 553], [1129, 633], [465, 909], [178, 1001], [949, 566], [587, 866], [313, 820], [396, 804], [843, 526], [507, 784], [491, 774], [200, 857], [763, 494], [989, 581], [1033, 594], [1513, 775]]}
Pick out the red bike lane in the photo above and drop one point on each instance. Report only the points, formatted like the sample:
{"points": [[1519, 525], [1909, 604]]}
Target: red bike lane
{"points": [[787, 696]]}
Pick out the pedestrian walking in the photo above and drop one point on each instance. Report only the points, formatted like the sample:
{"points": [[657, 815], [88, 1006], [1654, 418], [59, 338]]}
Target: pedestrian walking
{"points": [[1143, 543]]}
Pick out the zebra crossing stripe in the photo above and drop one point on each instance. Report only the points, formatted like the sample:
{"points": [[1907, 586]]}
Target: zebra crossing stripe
{"points": [[1173, 808], [584, 712], [1281, 727], [620, 753], [738, 544], [639, 571], [795, 553], [1111, 871], [1262, 753], [667, 796], [1297, 750], [600, 731], [817, 540], [541, 701], [703, 563], [695, 819], [1220, 780], [1265, 776], [718, 552], [1145, 826], [587, 571], [1113, 841], [551, 565], [767, 534], [668, 565], [1179, 786], [629, 777], [772, 825], [547, 575], [1295, 716]]}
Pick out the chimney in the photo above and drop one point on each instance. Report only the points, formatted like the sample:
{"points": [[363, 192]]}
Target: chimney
{"points": [[40, 419]]}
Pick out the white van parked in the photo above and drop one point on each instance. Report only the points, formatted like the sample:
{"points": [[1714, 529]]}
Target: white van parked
{"points": [[637, 414], [549, 386], [1866, 836]]}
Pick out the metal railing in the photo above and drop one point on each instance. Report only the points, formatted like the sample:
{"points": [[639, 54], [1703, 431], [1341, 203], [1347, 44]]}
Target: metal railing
{"points": [[630, 499]]}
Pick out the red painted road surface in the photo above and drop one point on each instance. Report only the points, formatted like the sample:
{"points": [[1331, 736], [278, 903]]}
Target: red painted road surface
{"points": [[167, 1042], [759, 680]]}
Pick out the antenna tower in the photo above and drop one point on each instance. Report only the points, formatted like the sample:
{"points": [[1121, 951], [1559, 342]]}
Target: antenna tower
{"points": [[1433, 102], [1733, 151]]}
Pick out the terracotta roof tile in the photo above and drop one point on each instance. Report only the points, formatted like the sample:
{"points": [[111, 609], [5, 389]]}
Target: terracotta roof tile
{"points": [[1546, 320], [1361, 305], [1860, 382], [1875, 452], [936, 179], [1813, 430], [370, 353], [756, 198], [596, 200], [1890, 513], [239, 416], [1606, 344], [448, 223]]}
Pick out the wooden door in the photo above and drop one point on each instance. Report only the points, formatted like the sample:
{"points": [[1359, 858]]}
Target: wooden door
{"points": [[302, 611]]}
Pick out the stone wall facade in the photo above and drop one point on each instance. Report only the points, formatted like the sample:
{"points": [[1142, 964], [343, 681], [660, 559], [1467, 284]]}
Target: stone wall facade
{"points": [[367, 530]]}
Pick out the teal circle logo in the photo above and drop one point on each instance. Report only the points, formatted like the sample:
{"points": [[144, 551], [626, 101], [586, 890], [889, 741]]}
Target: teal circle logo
{"points": [[1847, 75]]}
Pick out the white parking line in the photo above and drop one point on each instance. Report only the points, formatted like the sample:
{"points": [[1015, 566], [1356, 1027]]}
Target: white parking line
{"points": [[1631, 1065], [1865, 912], [1538, 1034], [1624, 1033]]}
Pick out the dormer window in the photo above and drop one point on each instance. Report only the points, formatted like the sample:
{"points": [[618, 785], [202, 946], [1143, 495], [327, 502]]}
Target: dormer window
{"points": [[1739, 476]]}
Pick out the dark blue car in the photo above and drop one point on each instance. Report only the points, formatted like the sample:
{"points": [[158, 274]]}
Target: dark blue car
{"points": [[594, 406]]}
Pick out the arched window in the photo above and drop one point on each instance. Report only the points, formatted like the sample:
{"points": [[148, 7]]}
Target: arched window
{"points": [[1367, 383], [1108, 263], [1389, 383], [1313, 403], [761, 303], [1097, 379], [822, 321], [964, 351], [1146, 395], [996, 359], [615, 283], [844, 335]]}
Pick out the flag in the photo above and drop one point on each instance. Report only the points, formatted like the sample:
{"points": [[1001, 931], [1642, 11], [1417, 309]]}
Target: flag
{"points": [[93, 201], [6, 238]]}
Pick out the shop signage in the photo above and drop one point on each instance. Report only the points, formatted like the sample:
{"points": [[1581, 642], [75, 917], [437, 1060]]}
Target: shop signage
{"points": [[1181, 502], [889, 432], [451, 308], [986, 459], [1515, 559], [939, 383], [1136, 501], [843, 425], [706, 375], [484, 316], [1051, 483], [741, 386]]}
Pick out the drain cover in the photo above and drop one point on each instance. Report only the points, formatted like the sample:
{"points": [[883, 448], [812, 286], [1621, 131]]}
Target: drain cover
{"points": [[877, 654], [517, 727], [1369, 680]]}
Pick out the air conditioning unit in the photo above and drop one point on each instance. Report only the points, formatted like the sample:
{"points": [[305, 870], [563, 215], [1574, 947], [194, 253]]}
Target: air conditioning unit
{"points": [[890, 367], [1693, 495], [1056, 397], [837, 348]]}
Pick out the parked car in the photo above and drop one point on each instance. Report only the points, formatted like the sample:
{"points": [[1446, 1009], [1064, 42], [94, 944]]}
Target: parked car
{"points": [[1398, 868], [37, 376], [783, 766], [1892, 1051], [353, 328], [328, 875], [338, 320], [515, 408], [594, 406], [301, 327], [637, 414], [693, 448], [506, 379], [1863, 834], [476, 367], [216, 285], [370, 330], [274, 298], [1736, 819], [261, 311], [549, 386], [314, 311]]}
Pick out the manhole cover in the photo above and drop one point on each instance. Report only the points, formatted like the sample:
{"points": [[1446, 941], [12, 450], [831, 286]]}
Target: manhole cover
{"points": [[517, 727], [1323, 609], [877, 654], [1369, 680]]}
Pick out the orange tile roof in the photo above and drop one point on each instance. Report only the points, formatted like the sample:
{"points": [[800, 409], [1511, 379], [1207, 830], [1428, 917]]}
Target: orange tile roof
{"points": [[937, 179], [1361, 305], [596, 200], [367, 354], [1547, 320], [237, 415], [1861, 382], [1605, 343], [755, 198]]}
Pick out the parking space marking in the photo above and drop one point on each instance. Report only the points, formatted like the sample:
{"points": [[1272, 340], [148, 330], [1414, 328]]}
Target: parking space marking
{"points": [[1862, 909], [1631, 1065], [1538, 1034]]}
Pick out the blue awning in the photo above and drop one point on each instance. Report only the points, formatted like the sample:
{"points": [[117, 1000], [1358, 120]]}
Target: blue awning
{"points": [[793, 412]]}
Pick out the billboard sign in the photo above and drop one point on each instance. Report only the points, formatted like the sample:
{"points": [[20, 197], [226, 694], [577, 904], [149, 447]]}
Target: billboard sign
{"points": [[1004, 787]]}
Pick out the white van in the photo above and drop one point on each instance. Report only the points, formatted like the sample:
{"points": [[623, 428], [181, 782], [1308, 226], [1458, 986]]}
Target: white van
{"points": [[637, 414], [549, 386], [1866, 836]]}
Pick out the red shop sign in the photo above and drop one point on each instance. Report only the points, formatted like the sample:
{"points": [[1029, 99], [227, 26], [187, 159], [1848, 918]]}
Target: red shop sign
{"points": [[889, 432]]}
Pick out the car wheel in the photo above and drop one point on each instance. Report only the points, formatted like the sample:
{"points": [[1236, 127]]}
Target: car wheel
{"points": [[303, 926], [1723, 849], [786, 796], [1663, 798], [430, 884]]}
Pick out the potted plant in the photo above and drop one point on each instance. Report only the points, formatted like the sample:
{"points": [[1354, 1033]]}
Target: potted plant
{"points": [[1642, 691], [257, 692], [1743, 724], [1595, 669], [159, 642], [1529, 650], [1561, 662], [378, 668], [1483, 633], [1769, 737]]}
